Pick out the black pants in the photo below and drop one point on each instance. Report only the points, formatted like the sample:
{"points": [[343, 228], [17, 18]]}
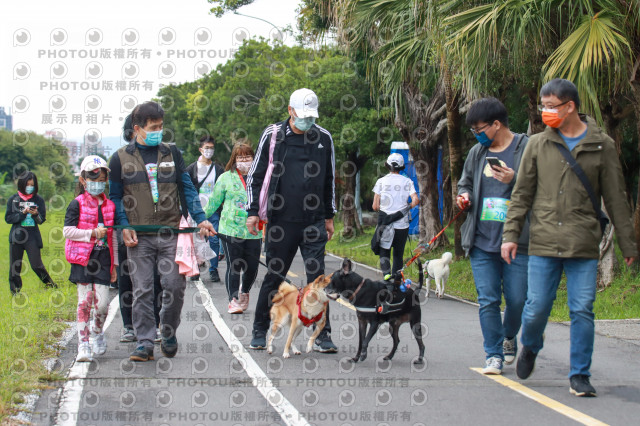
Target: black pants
{"points": [[399, 241], [125, 290], [282, 242], [16, 251], [242, 257]]}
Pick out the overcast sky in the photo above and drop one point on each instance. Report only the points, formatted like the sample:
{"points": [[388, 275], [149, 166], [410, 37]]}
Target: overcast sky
{"points": [[78, 66]]}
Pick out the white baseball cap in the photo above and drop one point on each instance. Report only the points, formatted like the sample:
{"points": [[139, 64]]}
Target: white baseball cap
{"points": [[396, 160], [92, 162], [305, 103]]}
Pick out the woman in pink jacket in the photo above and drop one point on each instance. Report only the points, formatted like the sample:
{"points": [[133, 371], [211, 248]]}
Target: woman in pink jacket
{"points": [[91, 248]]}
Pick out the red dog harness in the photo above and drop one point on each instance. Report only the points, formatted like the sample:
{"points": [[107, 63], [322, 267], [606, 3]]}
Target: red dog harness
{"points": [[307, 321]]}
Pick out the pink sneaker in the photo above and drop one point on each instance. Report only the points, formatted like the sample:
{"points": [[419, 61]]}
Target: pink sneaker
{"points": [[244, 300], [234, 307]]}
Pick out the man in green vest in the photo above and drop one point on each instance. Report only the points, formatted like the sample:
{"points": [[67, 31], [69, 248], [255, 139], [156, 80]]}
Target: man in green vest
{"points": [[149, 186]]}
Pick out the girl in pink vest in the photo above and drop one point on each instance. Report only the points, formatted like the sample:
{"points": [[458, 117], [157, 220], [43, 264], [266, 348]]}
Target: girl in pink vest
{"points": [[91, 248]]}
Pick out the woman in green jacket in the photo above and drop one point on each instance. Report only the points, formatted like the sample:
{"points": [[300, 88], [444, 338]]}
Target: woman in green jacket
{"points": [[241, 248]]}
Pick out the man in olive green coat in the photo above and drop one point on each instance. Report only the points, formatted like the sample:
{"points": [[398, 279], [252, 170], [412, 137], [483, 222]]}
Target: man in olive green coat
{"points": [[565, 232]]}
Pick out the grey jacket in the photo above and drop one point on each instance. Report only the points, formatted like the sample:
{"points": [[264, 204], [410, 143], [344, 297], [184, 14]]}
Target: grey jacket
{"points": [[470, 182]]}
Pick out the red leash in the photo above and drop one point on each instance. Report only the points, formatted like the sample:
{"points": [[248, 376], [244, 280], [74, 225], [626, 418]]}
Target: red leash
{"points": [[424, 247]]}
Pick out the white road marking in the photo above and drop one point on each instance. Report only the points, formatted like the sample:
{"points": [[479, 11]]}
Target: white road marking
{"points": [[261, 381], [72, 390]]}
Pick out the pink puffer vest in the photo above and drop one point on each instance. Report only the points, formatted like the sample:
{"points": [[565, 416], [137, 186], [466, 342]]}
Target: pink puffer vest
{"points": [[78, 251]]}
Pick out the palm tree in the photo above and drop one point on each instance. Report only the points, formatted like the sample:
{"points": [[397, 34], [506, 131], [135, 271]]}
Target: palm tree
{"points": [[408, 67], [595, 44]]}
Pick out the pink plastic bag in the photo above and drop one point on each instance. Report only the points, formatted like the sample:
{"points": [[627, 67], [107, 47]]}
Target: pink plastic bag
{"points": [[186, 253], [264, 191]]}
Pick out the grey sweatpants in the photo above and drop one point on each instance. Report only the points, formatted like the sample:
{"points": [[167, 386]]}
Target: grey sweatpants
{"points": [[155, 250]]}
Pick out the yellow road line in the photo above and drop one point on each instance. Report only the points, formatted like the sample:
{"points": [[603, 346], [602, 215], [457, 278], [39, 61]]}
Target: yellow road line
{"points": [[542, 399]]}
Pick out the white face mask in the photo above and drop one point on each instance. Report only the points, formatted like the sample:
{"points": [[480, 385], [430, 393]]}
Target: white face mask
{"points": [[207, 153], [243, 166]]}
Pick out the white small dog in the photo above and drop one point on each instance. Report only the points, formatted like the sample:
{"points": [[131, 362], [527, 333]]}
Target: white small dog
{"points": [[438, 269]]}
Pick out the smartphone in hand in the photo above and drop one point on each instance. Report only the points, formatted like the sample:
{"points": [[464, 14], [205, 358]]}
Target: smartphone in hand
{"points": [[494, 162]]}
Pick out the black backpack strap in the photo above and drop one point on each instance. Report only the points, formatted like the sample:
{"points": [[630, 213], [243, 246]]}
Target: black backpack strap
{"points": [[602, 218], [179, 172]]}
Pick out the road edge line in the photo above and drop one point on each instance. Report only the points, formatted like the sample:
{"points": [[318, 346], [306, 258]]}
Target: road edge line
{"points": [[289, 414], [72, 390]]}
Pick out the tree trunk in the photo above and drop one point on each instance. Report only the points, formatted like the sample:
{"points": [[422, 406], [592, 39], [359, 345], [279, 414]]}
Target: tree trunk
{"points": [[535, 120], [635, 90], [455, 149], [608, 262], [350, 219], [423, 134]]}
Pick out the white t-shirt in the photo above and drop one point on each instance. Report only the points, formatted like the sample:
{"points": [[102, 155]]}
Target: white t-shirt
{"points": [[206, 190], [394, 191]]}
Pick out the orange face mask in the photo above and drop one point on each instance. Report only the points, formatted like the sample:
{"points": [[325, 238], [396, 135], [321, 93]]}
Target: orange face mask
{"points": [[551, 119]]}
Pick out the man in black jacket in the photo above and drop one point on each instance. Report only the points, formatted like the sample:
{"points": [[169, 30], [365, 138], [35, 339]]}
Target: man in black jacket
{"points": [[300, 204], [204, 173]]}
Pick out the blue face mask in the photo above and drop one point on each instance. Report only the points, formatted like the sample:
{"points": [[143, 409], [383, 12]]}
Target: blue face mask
{"points": [[303, 124], [29, 189], [483, 139], [153, 138], [95, 188]]}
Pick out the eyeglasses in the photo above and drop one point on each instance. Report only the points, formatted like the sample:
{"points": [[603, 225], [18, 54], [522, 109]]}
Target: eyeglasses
{"points": [[244, 158], [547, 108], [477, 131]]}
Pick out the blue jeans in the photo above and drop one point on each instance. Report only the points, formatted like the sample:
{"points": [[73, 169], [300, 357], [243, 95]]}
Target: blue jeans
{"points": [[214, 242], [493, 278], [544, 277]]}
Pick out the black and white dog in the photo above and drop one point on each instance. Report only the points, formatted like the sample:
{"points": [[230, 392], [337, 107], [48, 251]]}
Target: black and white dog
{"points": [[368, 296]]}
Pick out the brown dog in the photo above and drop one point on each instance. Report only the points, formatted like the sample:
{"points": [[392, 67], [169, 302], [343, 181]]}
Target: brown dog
{"points": [[299, 308]]}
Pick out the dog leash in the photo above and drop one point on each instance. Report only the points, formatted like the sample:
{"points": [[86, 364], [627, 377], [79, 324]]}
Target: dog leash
{"points": [[157, 228], [227, 240], [424, 247]]}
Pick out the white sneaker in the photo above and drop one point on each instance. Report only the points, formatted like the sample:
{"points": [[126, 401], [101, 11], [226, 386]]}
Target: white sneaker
{"points": [[84, 352], [493, 366], [99, 344], [509, 349]]}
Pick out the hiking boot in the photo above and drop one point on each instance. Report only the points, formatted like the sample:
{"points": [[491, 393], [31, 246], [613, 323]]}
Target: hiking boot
{"points": [[526, 363], [158, 338], [214, 277], [580, 385], [128, 335], [259, 340], [84, 352], [509, 350], [234, 307], [493, 365], [169, 346], [142, 353], [324, 344], [99, 344], [244, 301]]}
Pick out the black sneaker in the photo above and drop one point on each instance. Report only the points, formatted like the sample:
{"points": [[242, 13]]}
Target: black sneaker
{"points": [[526, 363], [142, 353], [214, 277], [195, 277], [259, 340], [169, 346], [324, 344], [580, 386]]}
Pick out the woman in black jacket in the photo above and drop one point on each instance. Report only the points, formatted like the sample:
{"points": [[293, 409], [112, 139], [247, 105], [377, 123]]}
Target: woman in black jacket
{"points": [[25, 211]]}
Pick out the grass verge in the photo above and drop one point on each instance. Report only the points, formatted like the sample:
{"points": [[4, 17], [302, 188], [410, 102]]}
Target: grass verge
{"points": [[33, 321], [621, 300]]}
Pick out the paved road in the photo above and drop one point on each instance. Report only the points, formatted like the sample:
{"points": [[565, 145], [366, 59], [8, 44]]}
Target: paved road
{"points": [[209, 383]]}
